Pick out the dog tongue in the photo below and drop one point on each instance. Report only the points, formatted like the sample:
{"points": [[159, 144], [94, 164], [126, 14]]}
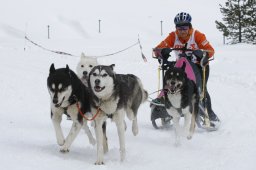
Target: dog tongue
{"points": [[172, 88], [97, 88]]}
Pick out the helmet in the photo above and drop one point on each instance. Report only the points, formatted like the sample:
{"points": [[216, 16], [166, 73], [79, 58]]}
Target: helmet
{"points": [[182, 18]]}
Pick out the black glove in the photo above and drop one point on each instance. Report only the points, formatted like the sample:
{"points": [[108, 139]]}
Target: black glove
{"points": [[204, 61], [157, 53], [166, 53], [202, 57], [199, 54]]}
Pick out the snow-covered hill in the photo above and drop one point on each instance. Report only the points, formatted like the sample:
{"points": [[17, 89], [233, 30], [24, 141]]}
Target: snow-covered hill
{"points": [[27, 136]]}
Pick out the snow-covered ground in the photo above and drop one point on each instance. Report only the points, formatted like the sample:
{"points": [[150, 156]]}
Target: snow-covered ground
{"points": [[27, 136]]}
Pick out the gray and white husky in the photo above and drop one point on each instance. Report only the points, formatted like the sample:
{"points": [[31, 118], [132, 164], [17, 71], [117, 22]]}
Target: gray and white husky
{"points": [[115, 95], [84, 67], [66, 91]]}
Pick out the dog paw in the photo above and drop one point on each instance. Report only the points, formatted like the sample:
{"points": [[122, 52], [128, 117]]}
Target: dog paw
{"points": [[99, 163], [189, 137], [64, 150]]}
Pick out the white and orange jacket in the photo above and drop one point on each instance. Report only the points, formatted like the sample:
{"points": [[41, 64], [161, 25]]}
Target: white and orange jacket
{"points": [[195, 40]]}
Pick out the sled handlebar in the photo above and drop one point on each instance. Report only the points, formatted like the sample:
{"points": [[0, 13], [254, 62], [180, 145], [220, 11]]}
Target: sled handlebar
{"points": [[163, 53], [184, 49]]}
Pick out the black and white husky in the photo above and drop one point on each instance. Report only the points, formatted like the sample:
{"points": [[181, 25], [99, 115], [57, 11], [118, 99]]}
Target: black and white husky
{"points": [[181, 100], [68, 96], [115, 95]]}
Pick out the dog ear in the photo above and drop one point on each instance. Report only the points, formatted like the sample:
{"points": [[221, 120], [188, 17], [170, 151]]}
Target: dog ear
{"points": [[83, 55], [112, 66], [52, 69], [67, 68]]}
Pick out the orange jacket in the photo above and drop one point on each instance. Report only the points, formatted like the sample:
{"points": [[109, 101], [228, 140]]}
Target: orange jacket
{"points": [[200, 39]]}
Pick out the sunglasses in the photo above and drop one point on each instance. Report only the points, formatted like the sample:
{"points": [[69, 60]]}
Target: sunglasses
{"points": [[182, 28]]}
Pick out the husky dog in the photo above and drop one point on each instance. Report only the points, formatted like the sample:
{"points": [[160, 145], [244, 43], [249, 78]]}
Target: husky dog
{"points": [[84, 67], [115, 95], [68, 96], [182, 99]]}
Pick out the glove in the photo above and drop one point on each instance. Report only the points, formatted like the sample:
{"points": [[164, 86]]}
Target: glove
{"points": [[157, 53], [199, 54], [166, 53], [202, 57], [204, 61]]}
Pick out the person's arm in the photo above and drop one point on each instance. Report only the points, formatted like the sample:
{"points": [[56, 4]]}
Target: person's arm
{"points": [[168, 42], [203, 43]]}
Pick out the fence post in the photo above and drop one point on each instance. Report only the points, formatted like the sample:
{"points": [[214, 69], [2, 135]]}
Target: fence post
{"points": [[25, 41], [161, 27], [48, 30], [99, 25]]}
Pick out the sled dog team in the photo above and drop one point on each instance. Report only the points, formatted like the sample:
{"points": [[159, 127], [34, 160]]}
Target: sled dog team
{"points": [[96, 93]]}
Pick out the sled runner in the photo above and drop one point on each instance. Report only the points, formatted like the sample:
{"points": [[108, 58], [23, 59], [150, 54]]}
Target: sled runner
{"points": [[157, 105]]}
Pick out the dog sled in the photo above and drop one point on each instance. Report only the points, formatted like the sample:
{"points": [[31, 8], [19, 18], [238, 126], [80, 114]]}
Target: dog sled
{"points": [[157, 105]]}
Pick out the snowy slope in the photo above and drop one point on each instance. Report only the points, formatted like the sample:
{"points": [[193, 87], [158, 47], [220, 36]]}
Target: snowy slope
{"points": [[27, 136]]}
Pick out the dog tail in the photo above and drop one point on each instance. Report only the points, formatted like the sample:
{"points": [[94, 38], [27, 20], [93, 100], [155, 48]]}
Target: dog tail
{"points": [[145, 95], [144, 92]]}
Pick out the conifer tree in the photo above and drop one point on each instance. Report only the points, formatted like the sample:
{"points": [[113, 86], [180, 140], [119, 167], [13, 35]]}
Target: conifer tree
{"points": [[250, 22], [239, 18]]}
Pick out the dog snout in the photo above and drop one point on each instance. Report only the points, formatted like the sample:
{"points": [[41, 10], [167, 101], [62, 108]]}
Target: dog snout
{"points": [[55, 100], [85, 73], [172, 82], [97, 82]]}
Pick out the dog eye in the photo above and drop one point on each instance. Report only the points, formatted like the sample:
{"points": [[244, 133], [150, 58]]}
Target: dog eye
{"points": [[82, 65], [104, 75], [94, 74], [91, 66]]}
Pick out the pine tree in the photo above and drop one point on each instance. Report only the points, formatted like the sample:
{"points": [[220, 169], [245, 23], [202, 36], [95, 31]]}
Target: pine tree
{"points": [[239, 17], [250, 20]]}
